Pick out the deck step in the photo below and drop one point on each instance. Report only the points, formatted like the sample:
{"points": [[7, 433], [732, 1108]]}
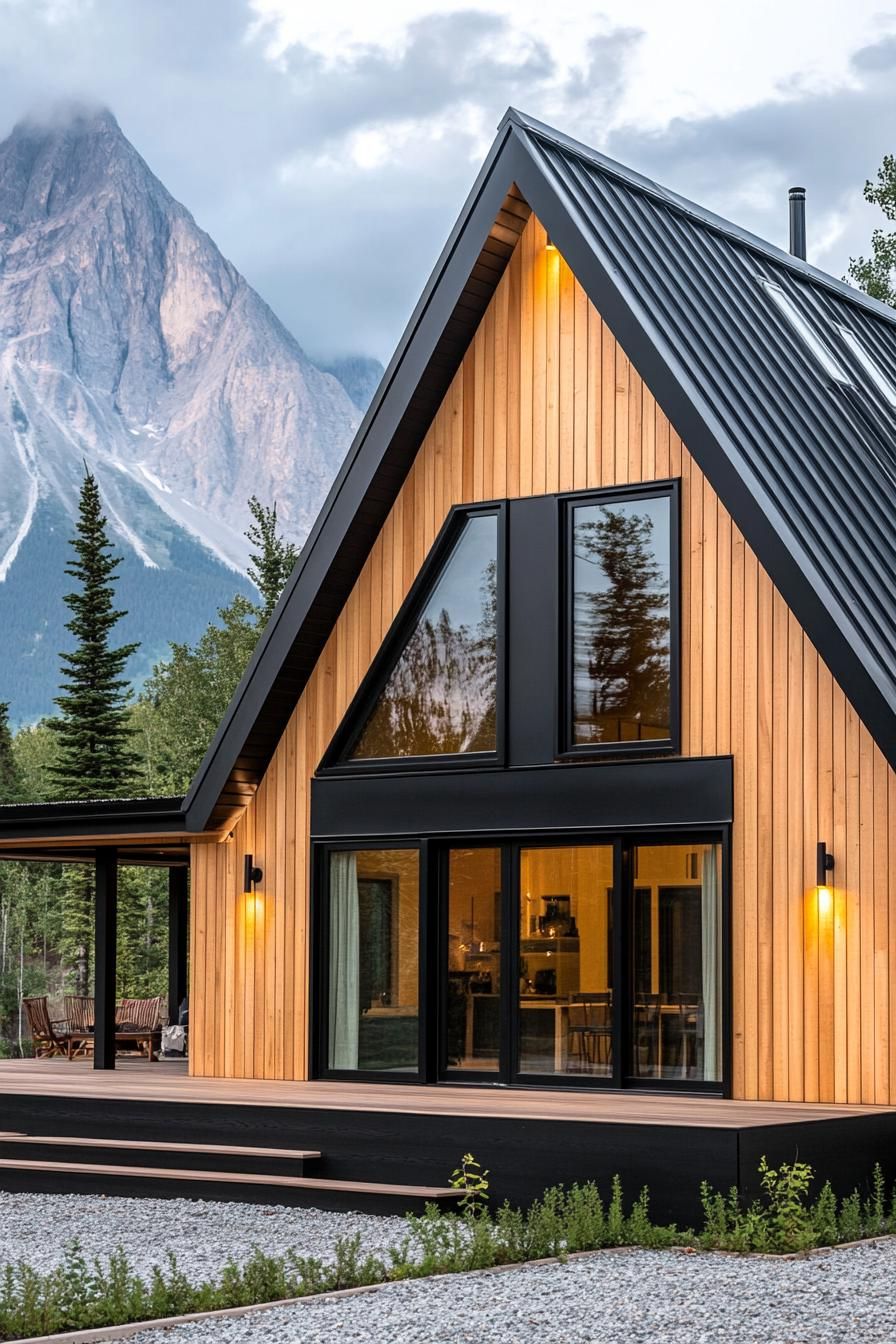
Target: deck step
{"points": [[159, 1146], [111, 1178], [241, 1158]]}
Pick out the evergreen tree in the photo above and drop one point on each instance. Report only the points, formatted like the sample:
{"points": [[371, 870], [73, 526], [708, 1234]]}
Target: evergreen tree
{"points": [[877, 274], [96, 759], [184, 700], [12, 788], [274, 558]]}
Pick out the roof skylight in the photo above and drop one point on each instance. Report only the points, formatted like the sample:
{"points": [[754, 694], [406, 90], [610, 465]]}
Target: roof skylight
{"points": [[874, 372], [788, 309]]}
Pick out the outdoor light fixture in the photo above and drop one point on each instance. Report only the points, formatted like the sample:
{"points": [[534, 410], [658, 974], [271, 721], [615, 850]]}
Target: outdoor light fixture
{"points": [[549, 246], [251, 874], [824, 864]]}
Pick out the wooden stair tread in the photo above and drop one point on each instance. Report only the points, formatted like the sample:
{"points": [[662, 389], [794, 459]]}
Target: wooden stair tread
{"points": [[234, 1178], [160, 1146]]}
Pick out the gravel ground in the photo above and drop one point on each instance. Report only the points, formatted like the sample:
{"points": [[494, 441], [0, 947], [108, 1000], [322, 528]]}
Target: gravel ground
{"points": [[665, 1297], [203, 1234]]}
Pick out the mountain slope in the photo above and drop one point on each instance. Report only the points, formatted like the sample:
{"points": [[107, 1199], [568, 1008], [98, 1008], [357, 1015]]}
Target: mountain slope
{"points": [[127, 339], [129, 343]]}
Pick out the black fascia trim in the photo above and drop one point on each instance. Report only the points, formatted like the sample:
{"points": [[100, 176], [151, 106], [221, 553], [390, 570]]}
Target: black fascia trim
{"points": [[320, 554], [567, 749], [104, 817], [336, 759], [754, 511], [573, 798]]}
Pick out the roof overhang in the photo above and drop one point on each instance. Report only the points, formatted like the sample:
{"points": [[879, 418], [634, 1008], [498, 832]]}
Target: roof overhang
{"points": [[146, 832]]}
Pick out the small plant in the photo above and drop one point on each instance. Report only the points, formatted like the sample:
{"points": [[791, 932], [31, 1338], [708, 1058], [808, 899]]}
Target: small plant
{"points": [[784, 1221], [473, 1181], [79, 1294]]}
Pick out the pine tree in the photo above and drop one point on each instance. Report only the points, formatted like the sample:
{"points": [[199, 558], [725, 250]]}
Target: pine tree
{"points": [[96, 759], [12, 787], [274, 558]]}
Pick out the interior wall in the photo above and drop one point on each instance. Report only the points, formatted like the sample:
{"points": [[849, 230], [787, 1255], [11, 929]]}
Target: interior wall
{"points": [[546, 400]]}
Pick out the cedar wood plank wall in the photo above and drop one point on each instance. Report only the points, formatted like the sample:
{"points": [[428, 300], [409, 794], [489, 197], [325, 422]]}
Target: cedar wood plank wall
{"points": [[547, 401]]}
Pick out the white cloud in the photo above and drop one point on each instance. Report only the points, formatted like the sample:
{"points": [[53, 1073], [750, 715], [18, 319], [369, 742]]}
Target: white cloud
{"points": [[327, 149]]}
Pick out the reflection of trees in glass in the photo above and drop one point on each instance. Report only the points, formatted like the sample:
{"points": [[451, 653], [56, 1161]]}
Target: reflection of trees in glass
{"points": [[441, 695], [621, 628]]}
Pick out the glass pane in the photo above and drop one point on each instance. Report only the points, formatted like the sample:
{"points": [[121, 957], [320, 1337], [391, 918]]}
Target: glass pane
{"points": [[621, 609], [473, 1007], [441, 696], [676, 946], [566, 994], [374, 911]]}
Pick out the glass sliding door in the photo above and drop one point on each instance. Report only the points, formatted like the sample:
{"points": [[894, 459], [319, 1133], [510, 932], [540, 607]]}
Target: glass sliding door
{"points": [[565, 1004], [372, 938], [595, 963], [674, 928], [473, 969]]}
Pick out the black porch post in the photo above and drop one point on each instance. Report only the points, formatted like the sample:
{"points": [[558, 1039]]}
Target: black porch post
{"points": [[106, 915], [177, 941]]}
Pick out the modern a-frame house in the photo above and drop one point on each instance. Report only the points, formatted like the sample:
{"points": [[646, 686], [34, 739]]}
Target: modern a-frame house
{"points": [[566, 760]]}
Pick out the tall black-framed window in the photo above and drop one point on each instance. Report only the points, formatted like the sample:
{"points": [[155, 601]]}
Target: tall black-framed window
{"points": [[435, 691], [368, 972], [620, 659]]}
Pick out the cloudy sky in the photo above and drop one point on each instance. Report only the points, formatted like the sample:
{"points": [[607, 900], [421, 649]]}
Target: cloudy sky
{"points": [[328, 153]]}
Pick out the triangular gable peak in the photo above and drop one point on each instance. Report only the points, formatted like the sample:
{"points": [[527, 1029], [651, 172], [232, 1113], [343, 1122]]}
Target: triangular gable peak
{"points": [[800, 464]]}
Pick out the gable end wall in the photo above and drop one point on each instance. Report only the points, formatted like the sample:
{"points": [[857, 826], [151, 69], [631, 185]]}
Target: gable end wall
{"points": [[547, 401]]}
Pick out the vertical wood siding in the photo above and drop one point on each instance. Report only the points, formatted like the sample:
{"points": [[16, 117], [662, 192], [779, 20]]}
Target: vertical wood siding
{"points": [[546, 400]]}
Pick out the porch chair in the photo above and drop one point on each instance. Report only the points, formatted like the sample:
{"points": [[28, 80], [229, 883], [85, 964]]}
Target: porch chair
{"points": [[47, 1034], [80, 1015], [141, 1020]]}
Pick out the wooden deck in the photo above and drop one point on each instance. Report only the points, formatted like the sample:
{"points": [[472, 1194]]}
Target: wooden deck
{"points": [[138, 1080], [398, 1134]]}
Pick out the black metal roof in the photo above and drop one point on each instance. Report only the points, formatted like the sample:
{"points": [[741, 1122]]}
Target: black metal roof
{"points": [[806, 466]]}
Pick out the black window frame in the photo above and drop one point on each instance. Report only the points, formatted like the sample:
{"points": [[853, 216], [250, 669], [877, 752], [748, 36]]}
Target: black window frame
{"points": [[431, 997], [319, 968], [337, 759], [567, 747]]}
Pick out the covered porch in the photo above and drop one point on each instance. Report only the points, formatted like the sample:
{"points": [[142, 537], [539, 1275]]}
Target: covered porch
{"points": [[143, 833]]}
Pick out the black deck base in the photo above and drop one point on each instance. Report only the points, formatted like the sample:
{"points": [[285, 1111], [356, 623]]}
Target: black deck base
{"points": [[524, 1156]]}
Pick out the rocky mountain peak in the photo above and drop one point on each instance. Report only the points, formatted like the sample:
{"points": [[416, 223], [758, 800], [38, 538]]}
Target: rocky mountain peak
{"points": [[128, 341]]}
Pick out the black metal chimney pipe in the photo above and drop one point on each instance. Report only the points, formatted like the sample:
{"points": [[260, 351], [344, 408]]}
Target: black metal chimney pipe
{"points": [[798, 222]]}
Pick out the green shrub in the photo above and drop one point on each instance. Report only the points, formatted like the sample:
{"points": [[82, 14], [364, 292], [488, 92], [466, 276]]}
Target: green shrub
{"points": [[78, 1294], [783, 1220]]}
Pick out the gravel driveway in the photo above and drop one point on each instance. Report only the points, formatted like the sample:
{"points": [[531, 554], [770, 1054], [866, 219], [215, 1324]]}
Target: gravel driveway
{"points": [[665, 1297], [629, 1297]]}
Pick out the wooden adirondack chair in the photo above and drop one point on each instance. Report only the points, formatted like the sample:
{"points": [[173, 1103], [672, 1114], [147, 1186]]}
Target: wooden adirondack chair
{"points": [[49, 1036], [140, 1021], [79, 1012]]}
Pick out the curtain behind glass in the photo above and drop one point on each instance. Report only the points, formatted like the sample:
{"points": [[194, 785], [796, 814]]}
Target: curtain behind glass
{"points": [[345, 1005], [712, 969]]}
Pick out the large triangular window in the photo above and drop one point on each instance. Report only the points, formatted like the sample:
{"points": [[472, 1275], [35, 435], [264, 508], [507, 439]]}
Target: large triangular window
{"points": [[434, 689]]}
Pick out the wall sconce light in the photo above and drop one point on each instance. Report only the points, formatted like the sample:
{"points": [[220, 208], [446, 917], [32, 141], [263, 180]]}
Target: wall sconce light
{"points": [[824, 864], [549, 246], [251, 874]]}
